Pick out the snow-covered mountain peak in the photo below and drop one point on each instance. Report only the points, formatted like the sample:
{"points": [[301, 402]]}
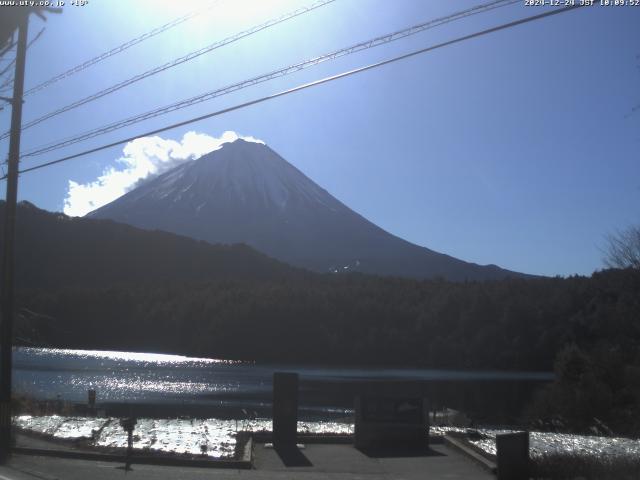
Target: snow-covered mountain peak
{"points": [[244, 192], [238, 173], [251, 171]]}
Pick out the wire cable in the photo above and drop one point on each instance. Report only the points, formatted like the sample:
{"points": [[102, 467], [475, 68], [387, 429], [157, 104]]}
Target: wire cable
{"points": [[8, 47], [6, 84], [119, 49], [7, 66], [307, 85], [176, 62], [9, 82], [13, 60], [269, 76]]}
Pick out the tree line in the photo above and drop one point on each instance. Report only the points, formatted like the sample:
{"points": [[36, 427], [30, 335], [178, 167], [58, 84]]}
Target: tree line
{"points": [[100, 285]]}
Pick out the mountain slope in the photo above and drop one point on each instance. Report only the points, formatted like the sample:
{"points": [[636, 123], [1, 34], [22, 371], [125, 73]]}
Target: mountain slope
{"points": [[54, 250], [246, 193]]}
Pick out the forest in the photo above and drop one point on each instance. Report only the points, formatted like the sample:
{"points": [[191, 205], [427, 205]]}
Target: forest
{"points": [[100, 285]]}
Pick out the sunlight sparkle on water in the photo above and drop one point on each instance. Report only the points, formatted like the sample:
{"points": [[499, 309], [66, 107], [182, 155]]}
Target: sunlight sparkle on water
{"points": [[157, 358]]}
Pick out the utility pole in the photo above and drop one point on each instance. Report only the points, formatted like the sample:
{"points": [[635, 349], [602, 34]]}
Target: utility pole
{"points": [[8, 287]]}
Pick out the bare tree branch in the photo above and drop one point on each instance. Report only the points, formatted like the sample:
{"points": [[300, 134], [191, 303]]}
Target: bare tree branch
{"points": [[623, 249]]}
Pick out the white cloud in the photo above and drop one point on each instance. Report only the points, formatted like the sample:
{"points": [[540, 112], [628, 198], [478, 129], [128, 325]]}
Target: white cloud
{"points": [[142, 158]]}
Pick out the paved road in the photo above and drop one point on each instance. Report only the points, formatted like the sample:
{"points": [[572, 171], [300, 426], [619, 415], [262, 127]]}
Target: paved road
{"points": [[322, 462]]}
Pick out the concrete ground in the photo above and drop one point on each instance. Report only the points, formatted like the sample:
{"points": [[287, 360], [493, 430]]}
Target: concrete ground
{"points": [[315, 462]]}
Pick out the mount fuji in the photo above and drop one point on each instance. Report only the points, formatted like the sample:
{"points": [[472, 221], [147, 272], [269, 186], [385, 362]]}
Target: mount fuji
{"points": [[245, 192]]}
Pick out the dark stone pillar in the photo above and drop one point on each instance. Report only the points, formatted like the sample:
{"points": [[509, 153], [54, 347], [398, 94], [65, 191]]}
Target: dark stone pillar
{"points": [[285, 408], [513, 456]]}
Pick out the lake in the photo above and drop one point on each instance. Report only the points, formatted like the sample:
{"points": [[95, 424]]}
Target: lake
{"points": [[177, 381]]}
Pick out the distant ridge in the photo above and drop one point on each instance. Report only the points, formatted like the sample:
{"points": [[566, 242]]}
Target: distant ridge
{"points": [[54, 250], [247, 193]]}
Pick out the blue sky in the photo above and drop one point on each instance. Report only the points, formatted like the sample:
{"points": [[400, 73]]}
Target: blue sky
{"points": [[519, 148]]}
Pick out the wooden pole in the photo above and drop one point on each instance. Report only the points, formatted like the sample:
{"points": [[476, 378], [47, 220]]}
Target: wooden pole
{"points": [[8, 286]]}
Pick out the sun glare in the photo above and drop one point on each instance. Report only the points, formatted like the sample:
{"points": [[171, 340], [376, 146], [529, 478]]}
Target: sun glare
{"points": [[214, 19], [229, 14]]}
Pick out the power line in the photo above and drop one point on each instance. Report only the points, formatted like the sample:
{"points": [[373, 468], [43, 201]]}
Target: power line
{"points": [[307, 85], [271, 75], [8, 47], [6, 83], [119, 49], [13, 60], [9, 82], [8, 66], [178, 61]]}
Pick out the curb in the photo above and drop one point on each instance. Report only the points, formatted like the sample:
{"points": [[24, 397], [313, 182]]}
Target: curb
{"points": [[243, 464], [458, 444], [247, 454], [267, 437]]}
